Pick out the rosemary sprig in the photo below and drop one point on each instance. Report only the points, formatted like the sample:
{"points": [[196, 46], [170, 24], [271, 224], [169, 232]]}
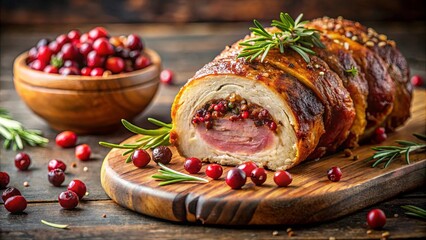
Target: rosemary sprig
{"points": [[352, 71], [291, 34], [415, 211], [170, 176], [151, 138], [15, 135], [389, 153], [55, 225]]}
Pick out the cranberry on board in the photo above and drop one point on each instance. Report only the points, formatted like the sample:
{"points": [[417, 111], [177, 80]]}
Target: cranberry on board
{"points": [[282, 178], [44, 54], [16, 204], [162, 154], [10, 192], [37, 65], [236, 178], [134, 42], [192, 165], [56, 177], [68, 199], [142, 62], [114, 64], [98, 32], [258, 176], [140, 158], [66, 139], [4, 179], [417, 81], [103, 47], [376, 219], [22, 161], [94, 59], [334, 174], [78, 187], [166, 76], [50, 69], [56, 163], [248, 167], [214, 171], [83, 152], [97, 72]]}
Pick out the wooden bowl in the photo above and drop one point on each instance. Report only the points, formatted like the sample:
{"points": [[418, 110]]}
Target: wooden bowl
{"points": [[87, 104]]}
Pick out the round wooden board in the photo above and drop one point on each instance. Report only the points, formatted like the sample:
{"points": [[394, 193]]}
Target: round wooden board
{"points": [[310, 198]]}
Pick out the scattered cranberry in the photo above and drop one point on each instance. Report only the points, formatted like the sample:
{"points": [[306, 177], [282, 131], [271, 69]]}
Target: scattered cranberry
{"points": [[417, 81], [282, 178], [140, 158], [50, 69], [334, 174], [115, 64], [66, 139], [37, 65], [214, 171], [83, 152], [376, 218], [380, 135], [10, 192], [236, 178], [16, 204], [22, 161], [258, 176], [94, 59], [44, 54], [78, 187], [162, 154], [166, 76], [192, 165], [142, 62], [248, 167], [97, 72], [98, 32], [56, 163], [134, 42], [56, 177], [68, 199], [4, 180]]}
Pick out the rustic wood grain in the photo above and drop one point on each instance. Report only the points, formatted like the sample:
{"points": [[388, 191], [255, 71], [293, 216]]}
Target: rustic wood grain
{"points": [[310, 198]]}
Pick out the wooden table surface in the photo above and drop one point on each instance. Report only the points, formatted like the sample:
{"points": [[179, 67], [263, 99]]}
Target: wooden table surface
{"points": [[184, 49]]}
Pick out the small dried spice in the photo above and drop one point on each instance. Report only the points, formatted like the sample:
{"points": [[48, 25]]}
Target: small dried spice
{"points": [[396, 215], [26, 184], [85, 169], [289, 230], [275, 233], [74, 165], [369, 231], [347, 152], [290, 234], [104, 215], [356, 157], [385, 234]]}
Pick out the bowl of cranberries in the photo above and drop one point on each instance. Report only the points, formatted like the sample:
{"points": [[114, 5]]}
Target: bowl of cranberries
{"points": [[87, 82]]}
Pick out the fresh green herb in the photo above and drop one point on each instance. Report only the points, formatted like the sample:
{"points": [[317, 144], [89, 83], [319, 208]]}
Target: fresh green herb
{"points": [[151, 139], [56, 62], [15, 135], [291, 34], [170, 176], [55, 225], [353, 71], [389, 153], [414, 211]]}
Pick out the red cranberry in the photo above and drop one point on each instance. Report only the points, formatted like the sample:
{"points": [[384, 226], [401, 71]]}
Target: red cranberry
{"points": [[132, 54], [83, 152], [134, 42], [22, 161], [37, 65], [4, 179], [162, 154], [66, 139], [282, 178], [94, 60], [84, 38], [66, 71], [98, 32], [54, 47], [115, 64], [103, 47], [50, 69], [85, 48], [97, 72], [68, 199], [334, 174], [258, 176], [245, 114], [248, 167], [376, 218], [69, 52], [192, 165], [166, 76], [16, 204], [78, 187], [32, 54], [272, 125], [142, 62], [140, 158], [44, 54], [71, 63], [56, 177], [417, 81], [379, 135], [236, 178], [10, 192], [74, 35], [62, 39], [86, 71], [214, 171], [56, 163], [42, 42]]}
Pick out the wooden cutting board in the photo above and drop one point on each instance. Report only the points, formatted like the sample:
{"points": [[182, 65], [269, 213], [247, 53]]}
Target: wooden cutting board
{"points": [[310, 198]]}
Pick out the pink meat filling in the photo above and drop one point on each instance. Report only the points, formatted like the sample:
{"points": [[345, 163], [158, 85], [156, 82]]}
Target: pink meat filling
{"points": [[237, 136]]}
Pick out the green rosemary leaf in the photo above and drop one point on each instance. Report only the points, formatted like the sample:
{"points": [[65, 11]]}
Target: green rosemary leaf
{"points": [[159, 123], [407, 155], [414, 211], [169, 176], [138, 130], [128, 152], [378, 161], [112, 145], [129, 158], [171, 182], [352, 71], [391, 159], [55, 225], [420, 136], [304, 55]]}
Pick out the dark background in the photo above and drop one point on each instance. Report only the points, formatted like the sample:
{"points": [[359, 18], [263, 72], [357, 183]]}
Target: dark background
{"points": [[135, 11]]}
